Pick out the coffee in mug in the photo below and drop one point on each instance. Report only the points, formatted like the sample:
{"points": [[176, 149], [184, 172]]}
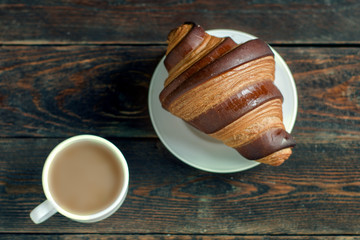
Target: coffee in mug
{"points": [[85, 178]]}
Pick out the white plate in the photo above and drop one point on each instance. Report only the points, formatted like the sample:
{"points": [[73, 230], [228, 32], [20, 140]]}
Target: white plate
{"points": [[197, 149]]}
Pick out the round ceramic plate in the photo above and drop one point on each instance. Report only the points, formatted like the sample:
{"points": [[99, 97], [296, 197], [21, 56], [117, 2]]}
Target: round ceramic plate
{"points": [[197, 149]]}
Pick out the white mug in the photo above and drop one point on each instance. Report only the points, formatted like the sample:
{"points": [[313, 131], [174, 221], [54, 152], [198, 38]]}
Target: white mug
{"points": [[49, 207]]}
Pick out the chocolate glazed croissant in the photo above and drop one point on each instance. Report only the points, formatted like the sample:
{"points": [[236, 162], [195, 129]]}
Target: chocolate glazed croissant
{"points": [[226, 90]]}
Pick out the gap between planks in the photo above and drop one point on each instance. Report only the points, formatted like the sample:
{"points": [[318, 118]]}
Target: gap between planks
{"points": [[274, 44]]}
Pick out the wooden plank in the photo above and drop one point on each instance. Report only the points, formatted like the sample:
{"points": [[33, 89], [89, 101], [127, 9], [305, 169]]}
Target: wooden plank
{"points": [[316, 192], [44, 22], [59, 91], [170, 237], [52, 91], [328, 85]]}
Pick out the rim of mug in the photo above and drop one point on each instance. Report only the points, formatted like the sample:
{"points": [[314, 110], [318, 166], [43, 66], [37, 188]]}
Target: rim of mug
{"points": [[120, 157]]}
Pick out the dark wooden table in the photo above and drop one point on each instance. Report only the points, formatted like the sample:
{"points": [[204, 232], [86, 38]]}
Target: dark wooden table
{"points": [[74, 67]]}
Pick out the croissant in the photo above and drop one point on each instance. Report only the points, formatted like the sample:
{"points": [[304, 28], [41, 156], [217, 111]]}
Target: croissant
{"points": [[227, 91]]}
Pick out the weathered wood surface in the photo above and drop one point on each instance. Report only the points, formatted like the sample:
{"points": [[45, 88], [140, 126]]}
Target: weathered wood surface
{"points": [[59, 91], [316, 192], [63, 22], [171, 237]]}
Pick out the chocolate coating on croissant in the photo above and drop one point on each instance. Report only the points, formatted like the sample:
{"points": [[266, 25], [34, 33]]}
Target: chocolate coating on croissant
{"points": [[246, 52], [226, 45], [267, 143], [191, 41], [236, 106]]}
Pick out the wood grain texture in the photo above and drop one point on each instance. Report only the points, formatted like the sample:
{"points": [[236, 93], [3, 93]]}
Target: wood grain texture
{"points": [[44, 22], [314, 192], [169, 237], [52, 91], [328, 85], [59, 91]]}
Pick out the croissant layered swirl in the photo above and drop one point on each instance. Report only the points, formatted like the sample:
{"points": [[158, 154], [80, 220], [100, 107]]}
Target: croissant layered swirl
{"points": [[227, 91]]}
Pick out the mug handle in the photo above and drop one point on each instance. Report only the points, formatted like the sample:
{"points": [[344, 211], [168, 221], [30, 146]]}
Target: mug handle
{"points": [[42, 212]]}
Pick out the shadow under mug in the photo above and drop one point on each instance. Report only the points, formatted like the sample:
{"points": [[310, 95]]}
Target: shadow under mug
{"points": [[49, 207]]}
